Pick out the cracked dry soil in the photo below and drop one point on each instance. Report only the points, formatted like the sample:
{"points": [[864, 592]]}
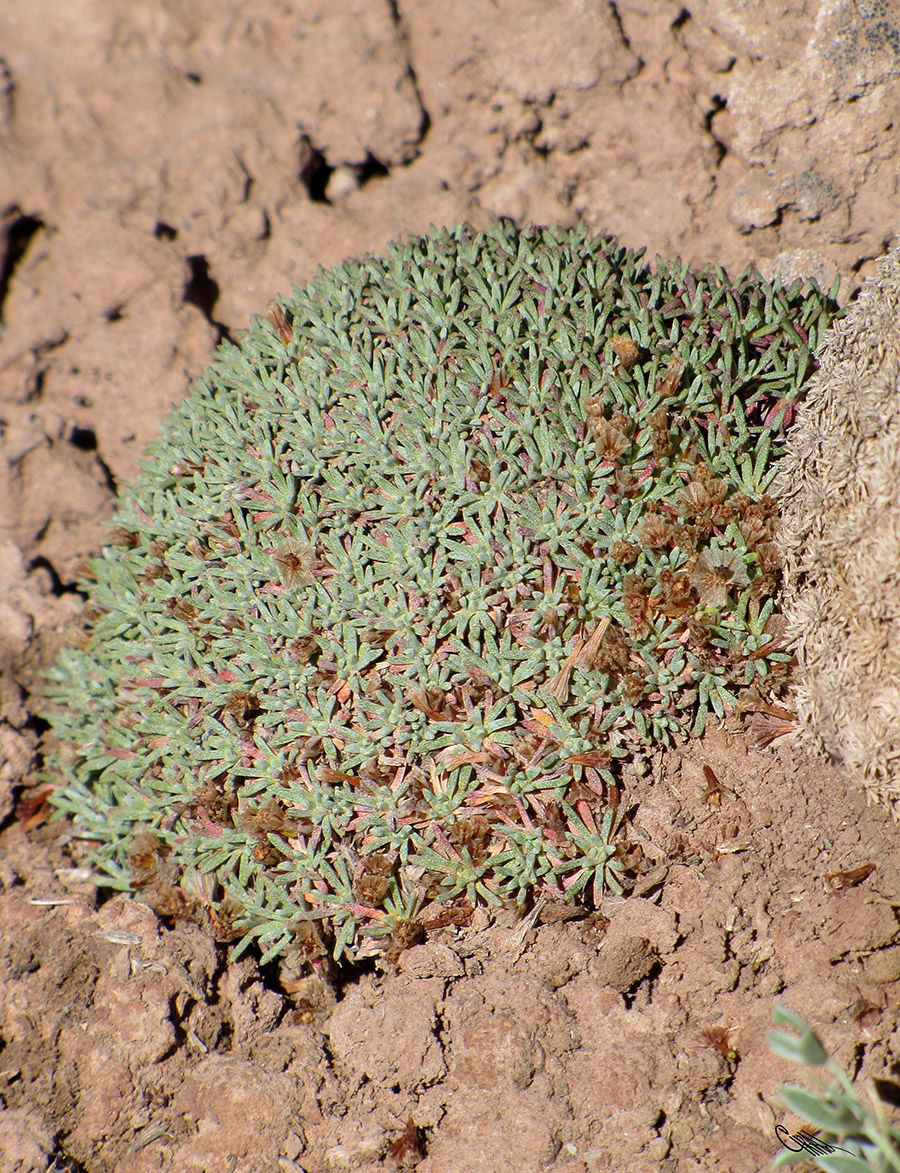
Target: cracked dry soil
{"points": [[166, 168]]}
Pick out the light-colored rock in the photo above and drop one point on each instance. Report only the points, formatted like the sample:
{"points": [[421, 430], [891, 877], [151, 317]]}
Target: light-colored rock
{"points": [[840, 488]]}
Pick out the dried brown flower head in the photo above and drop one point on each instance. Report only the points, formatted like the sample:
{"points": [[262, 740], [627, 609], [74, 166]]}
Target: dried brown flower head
{"points": [[654, 531], [676, 596], [636, 600], [120, 536], [625, 349], [715, 573], [296, 563], [372, 879], [278, 320], [624, 552], [695, 500], [717, 488], [613, 655], [669, 383], [611, 440], [144, 857]]}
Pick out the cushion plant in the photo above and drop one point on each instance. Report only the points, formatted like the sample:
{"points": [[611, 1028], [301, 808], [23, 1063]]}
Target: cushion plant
{"points": [[446, 536]]}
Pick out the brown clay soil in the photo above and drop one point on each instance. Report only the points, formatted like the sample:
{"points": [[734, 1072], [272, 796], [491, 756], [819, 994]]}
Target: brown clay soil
{"points": [[165, 168]]}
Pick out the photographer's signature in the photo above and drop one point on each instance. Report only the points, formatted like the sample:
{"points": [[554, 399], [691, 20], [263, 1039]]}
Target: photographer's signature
{"points": [[806, 1142]]}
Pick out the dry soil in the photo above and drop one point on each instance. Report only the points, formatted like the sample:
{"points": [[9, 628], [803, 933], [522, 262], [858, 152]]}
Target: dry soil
{"points": [[167, 166]]}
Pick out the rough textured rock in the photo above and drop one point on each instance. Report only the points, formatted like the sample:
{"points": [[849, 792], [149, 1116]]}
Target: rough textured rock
{"points": [[840, 485]]}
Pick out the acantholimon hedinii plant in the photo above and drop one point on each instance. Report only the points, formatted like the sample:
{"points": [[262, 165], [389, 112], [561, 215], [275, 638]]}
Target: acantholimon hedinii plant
{"points": [[449, 533]]}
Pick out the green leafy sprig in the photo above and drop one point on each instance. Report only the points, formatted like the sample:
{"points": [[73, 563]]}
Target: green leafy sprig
{"points": [[864, 1140]]}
